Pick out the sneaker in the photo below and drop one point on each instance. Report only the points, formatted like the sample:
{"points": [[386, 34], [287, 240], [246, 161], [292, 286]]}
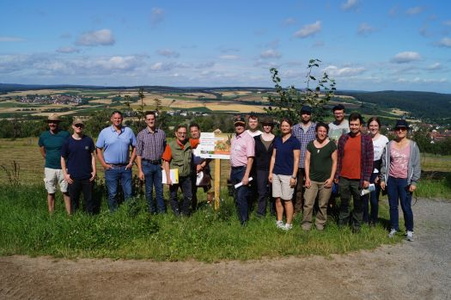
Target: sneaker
{"points": [[287, 227], [392, 233], [280, 224], [409, 236]]}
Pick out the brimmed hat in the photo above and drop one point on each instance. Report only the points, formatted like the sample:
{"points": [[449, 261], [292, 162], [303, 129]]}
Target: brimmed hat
{"points": [[53, 118], [78, 121], [306, 109], [402, 124], [239, 120]]}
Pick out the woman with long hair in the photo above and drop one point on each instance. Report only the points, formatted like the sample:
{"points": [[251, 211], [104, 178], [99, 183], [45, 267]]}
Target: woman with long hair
{"points": [[400, 172], [283, 170], [370, 215]]}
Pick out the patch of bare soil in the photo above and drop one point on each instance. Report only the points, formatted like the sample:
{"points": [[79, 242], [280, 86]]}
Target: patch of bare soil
{"points": [[410, 270]]}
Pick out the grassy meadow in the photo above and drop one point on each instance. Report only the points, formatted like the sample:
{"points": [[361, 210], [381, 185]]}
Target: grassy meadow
{"points": [[209, 235]]}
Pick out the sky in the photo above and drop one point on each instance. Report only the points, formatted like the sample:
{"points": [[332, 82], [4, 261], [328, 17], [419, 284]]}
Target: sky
{"points": [[368, 45]]}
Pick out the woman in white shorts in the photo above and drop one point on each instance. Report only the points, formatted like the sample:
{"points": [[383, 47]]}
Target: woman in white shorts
{"points": [[283, 169]]}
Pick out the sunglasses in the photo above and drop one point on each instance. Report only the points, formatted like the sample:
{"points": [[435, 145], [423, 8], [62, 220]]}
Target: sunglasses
{"points": [[79, 125], [401, 129]]}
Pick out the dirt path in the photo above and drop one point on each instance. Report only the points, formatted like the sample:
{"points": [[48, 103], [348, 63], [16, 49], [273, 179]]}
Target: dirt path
{"points": [[418, 270]]}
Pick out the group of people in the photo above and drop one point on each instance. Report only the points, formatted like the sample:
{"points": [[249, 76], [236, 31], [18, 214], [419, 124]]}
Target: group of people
{"points": [[301, 171], [309, 164], [70, 163]]}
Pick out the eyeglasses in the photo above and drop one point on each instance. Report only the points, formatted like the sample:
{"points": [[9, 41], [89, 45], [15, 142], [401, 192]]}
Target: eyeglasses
{"points": [[400, 129], [79, 125]]}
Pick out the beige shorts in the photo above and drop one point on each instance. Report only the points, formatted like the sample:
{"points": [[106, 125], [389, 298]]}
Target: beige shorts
{"points": [[52, 178], [281, 187]]}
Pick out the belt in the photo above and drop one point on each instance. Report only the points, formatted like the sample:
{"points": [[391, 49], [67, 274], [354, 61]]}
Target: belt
{"points": [[118, 165], [236, 168], [153, 162]]}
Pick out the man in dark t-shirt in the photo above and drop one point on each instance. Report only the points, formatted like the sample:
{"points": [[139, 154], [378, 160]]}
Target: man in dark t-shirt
{"points": [[79, 166]]}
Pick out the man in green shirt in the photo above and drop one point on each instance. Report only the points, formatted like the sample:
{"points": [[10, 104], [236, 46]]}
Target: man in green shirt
{"points": [[50, 143]]}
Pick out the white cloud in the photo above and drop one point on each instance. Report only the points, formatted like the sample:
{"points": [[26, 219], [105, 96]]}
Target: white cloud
{"points": [[289, 21], [436, 66], [415, 10], [156, 16], [118, 63], [11, 39], [270, 54], [229, 57], [161, 67], [365, 29], [350, 4], [308, 30], [102, 37], [334, 71], [67, 50], [406, 57], [445, 42], [168, 53]]}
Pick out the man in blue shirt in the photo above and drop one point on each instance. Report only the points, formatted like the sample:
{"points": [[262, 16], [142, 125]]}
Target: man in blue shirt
{"points": [[114, 145], [50, 143]]}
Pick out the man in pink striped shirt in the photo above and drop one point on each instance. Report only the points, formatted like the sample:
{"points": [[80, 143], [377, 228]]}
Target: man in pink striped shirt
{"points": [[241, 158]]}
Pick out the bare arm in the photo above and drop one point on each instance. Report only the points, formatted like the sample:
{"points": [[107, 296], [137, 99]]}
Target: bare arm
{"points": [[64, 169], [329, 181], [297, 157], [93, 166], [307, 169], [140, 168], [245, 179], [42, 150], [132, 158], [271, 164], [167, 171], [102, 159]]}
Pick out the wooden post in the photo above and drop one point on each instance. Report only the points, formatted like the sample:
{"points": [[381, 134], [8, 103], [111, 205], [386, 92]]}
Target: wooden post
{"points": [[217, 183]]}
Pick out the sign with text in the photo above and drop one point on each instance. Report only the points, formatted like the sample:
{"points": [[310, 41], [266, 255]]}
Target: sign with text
{"points": [[213, 145]]}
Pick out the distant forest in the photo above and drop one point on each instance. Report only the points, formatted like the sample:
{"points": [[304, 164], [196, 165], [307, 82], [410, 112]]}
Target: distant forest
{"points": [[427, 106]]}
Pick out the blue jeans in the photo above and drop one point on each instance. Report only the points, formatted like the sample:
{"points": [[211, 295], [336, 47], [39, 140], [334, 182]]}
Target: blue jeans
{"points": [[241, 194], [153, 178], [185, 185], [112, 178], [397, 188], [370, 215]]}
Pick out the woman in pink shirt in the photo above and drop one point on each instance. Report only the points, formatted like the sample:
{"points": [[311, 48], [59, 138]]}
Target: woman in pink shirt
{"points": [[400, 172]]}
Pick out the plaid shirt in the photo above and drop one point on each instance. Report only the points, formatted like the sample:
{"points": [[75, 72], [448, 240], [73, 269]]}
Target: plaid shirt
{"points": [[150, 145], [366, 158], [304, 138]]}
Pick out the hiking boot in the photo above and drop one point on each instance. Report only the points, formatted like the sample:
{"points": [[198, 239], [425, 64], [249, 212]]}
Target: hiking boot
{"points": [[409, 236], [392, 233]]}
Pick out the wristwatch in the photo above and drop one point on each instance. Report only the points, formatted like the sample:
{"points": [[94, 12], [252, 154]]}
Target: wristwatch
{"points": [[294, 177]]}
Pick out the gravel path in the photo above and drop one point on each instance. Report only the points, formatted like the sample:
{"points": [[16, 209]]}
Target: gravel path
{"points": [[417, 270]]}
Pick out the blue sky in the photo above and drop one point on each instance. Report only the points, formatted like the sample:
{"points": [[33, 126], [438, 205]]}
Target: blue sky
{"points": [[364, 45]]}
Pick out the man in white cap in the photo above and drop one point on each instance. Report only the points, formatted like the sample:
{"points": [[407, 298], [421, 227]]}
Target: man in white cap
{"points": [[50, 143]]}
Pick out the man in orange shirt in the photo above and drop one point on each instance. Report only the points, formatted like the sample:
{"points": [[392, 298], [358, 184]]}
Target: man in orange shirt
{"points": [[178, 155], [354, 168]]}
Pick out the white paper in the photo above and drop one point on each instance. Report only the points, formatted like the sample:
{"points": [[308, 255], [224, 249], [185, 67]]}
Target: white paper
{"points": [[240, 183]]}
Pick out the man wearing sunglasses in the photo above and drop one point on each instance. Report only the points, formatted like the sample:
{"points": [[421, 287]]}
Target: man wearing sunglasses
{"points": [[78, 162], [50, 143]]}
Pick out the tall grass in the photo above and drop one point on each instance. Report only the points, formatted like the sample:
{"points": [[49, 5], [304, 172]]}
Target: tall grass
{"points": [[27, 228]]}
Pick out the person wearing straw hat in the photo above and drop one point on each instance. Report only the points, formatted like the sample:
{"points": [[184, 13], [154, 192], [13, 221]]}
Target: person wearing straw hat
{"points": [[50, 143]]}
